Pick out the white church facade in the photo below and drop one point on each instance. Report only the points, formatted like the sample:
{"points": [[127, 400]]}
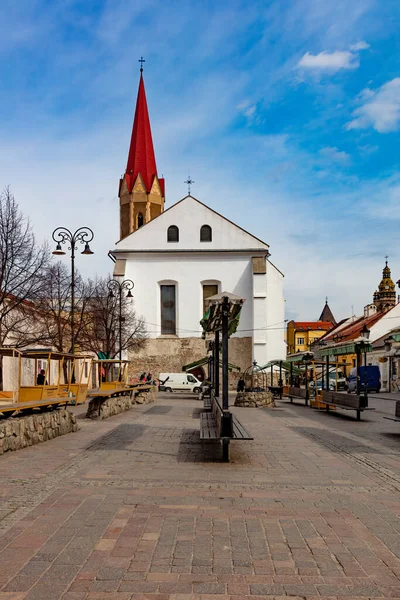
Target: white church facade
{"points": [[180, 256]]}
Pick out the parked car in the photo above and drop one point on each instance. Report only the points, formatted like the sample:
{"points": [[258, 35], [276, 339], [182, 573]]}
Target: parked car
{"points": [[340, 381], [369, 375], [179, 382]]}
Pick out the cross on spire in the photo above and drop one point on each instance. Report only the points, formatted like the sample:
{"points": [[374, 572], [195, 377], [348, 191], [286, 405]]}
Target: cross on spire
{"points": [[141, 60], [386, 258], [189, 182]]}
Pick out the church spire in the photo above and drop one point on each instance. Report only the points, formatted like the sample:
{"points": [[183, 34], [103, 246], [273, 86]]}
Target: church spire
{"points": [[141, 157], [141, 192], [327, 315], [385, 296]]}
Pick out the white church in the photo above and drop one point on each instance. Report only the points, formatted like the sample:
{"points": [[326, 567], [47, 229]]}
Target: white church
{"points": [[179, 256]]}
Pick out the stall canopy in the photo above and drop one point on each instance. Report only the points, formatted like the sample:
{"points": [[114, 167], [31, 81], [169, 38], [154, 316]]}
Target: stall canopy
{"points": [[204, 361], [394, 337], [212, 320], [349, 348], [277, 363], [300, 357]]}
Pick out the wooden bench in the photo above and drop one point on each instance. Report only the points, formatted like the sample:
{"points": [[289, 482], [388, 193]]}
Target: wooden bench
{"points": [[396, 414], [298, 394], [276, 390], [220, 424], [207, 403], [47, 403], [345, 402], [205, 392]]}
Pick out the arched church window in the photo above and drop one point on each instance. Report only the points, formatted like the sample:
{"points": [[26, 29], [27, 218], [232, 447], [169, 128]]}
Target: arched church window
{"points": [[173, 234], [140, 220], [205, 233]]}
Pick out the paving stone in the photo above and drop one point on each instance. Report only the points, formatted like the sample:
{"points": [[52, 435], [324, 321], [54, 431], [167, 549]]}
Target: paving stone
{"points": [[308, 509]]}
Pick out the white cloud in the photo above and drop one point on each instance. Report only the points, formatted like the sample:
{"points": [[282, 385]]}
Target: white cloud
{"points": [[331, 61], [359, 46], [247, 108], [243, 105], [389, 209], [249, 112], [380, 109], [335, 155]]}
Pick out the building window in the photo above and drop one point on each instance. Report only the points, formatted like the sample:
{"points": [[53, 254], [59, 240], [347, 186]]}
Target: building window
{"points": [[140, 220], [206, 233], [208, 291], [173, 234], [168, 310], [300, 341]]}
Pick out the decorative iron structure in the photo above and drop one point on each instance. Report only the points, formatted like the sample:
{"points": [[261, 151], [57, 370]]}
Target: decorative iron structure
{"points": [[62, 235], [255, 379]]}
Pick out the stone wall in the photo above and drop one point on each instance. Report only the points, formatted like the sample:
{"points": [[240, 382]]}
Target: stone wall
{"points": [[17, 433], [254, 399], [99, 409], [170, 354]]}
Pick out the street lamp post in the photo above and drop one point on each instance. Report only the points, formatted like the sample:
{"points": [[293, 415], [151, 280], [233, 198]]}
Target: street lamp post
{"points": [[361, 345], [62, 235], [115, 287], [365, 332]]}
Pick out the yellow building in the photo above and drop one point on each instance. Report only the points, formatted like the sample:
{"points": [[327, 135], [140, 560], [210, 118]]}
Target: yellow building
{"points": [[301, 334], [384, 300]]}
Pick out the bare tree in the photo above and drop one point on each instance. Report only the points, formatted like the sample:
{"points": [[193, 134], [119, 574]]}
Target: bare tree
{"points": [[101, 333], [53, 307], [22, 264]]}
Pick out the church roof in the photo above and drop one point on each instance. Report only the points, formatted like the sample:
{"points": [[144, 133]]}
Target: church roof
{"points": [[327, 314], [353, 330], [141, 157]]}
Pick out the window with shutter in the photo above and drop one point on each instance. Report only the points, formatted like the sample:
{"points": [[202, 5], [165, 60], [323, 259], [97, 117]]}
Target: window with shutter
{"points": [[208, 291], [168, 310], [173, 234], [205, 233]]}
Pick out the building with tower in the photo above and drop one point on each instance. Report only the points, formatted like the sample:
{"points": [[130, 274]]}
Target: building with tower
{"points": [[141, 191], [327, 315], [181, 255], [385, 296]]}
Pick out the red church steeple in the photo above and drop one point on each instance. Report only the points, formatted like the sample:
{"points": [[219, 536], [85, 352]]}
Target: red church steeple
{"points": [[141, 191], [141, 158]]}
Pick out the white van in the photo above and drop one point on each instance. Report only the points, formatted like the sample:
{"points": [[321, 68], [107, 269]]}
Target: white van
{"points": [[179, 382]]}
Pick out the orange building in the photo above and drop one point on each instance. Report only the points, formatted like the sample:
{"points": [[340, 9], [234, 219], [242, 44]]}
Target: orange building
{"points": [[301, 334]]}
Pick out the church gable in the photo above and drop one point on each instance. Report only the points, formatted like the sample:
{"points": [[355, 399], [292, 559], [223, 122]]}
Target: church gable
{"points": [[199, 228]]}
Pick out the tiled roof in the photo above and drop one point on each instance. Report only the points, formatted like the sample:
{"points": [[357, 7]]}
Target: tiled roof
{"points": [[353, 330], [312, 325]]}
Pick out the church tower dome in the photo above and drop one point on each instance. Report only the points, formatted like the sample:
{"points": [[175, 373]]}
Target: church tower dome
{"points": [[141, 191], [385, 296]]}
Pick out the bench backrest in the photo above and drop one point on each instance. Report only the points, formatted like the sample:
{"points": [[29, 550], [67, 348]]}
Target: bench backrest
{"points": [[297, 391], [347, 400], [223, 418]]}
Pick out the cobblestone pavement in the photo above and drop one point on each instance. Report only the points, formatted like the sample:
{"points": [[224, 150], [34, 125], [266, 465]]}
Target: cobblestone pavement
{"points": [[137, 508]]}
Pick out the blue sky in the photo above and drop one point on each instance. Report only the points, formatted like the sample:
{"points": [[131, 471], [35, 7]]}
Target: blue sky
{"points": [[286, 113]]}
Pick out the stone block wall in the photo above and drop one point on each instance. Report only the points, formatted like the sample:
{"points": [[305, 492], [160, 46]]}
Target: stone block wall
{"points": [[170, 354], [254, 399], [99, 409], [17, 433]]}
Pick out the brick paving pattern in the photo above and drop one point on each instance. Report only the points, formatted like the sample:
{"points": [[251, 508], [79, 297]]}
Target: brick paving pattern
{"points": [[137, 508]]}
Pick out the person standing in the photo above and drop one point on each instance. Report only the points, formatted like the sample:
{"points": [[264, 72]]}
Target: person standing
{"points": [[240, 385]]}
